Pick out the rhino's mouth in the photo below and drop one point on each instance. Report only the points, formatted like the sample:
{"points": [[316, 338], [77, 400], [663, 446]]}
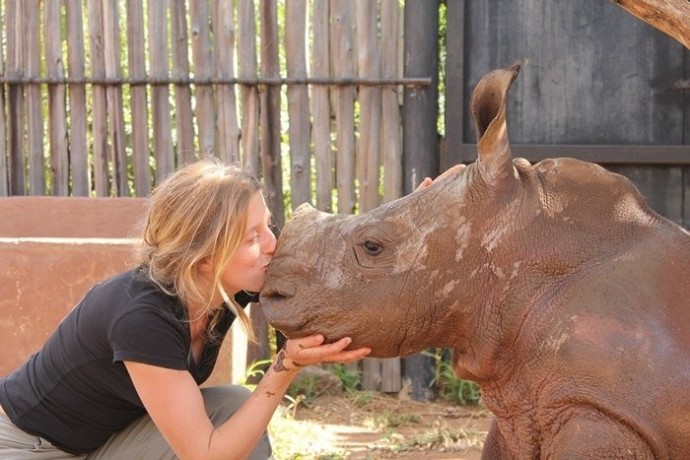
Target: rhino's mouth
{"points": [[275, 304], [278, 292]]}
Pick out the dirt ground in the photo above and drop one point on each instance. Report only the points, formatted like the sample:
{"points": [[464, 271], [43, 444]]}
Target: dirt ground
{"points": [[366, 426]]}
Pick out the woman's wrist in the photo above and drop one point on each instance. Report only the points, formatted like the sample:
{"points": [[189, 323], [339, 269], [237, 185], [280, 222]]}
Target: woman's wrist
{"points": [[283, 363]]}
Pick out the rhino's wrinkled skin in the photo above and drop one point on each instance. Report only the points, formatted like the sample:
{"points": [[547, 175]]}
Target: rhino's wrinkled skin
{"points": [[559, 291]]}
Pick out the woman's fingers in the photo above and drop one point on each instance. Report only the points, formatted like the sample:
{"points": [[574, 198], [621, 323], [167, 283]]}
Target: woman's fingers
{"points": [[349, 356], [309, 341], [425, 183], [320, 352], [428, 180], [309, 350], [452, 170]]}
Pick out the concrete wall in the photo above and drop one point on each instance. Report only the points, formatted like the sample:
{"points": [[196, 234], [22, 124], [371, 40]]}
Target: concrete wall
{"points": [[52, 250]]}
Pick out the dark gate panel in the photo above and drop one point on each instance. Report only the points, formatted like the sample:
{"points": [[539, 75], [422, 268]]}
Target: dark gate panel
{"points": [[595, 79]]}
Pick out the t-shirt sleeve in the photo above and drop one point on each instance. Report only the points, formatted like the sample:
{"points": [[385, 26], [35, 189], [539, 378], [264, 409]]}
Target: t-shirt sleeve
{"points": [[146, 336]]}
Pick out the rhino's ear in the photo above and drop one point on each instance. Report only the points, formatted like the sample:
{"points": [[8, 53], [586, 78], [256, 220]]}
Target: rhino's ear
{"points": [[488, 109]]}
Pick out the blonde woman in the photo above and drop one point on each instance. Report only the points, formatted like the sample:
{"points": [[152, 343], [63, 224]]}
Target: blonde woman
{"points": [[119, 378]]}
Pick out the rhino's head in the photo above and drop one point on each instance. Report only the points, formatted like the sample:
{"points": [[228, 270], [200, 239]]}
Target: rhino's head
{"points": [[366, 276], [441, 266]]}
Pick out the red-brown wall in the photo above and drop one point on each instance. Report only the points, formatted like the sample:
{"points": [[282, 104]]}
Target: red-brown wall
{"points": [[52, 250]]}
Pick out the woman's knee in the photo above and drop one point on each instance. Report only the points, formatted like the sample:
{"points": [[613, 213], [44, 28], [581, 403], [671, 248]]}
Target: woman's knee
{"points": [[223, 401]]}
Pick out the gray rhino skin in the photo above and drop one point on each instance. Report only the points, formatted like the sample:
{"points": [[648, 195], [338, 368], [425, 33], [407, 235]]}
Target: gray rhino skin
{"points": [[559, 291]]}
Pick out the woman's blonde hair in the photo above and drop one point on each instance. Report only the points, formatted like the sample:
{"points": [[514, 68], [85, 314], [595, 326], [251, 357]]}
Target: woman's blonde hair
{"points": [[198, 214]]}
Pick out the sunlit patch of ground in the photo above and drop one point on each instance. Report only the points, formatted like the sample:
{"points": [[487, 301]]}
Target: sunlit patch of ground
{"points": [[341, 427]]}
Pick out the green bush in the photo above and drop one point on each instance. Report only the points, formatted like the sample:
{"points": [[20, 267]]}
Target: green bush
{"points": [[450, 387], [350, 378]]}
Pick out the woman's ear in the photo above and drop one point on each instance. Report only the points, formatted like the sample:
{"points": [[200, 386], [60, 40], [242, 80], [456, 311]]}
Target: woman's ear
{"points": [[204, 266]]}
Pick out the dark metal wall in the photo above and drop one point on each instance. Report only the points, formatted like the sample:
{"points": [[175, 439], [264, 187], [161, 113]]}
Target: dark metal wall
{"points": [[597, 84]]}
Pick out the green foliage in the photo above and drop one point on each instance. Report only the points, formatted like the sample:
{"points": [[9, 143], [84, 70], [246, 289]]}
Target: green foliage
{"points": [[350, 378], [304, 389], [308, 386], [442, 42], [397, 420], [361, 398], [450, 387], [254, 372]]}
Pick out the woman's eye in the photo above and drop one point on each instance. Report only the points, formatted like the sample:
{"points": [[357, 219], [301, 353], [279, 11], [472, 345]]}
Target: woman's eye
{"points": [[372, 247]]}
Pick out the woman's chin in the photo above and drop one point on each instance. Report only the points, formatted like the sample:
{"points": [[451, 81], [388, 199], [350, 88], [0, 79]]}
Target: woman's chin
{"points": [[253, 287]]}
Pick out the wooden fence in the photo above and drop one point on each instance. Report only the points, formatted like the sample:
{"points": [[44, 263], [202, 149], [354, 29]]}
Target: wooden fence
{"points": [[105, 98]]}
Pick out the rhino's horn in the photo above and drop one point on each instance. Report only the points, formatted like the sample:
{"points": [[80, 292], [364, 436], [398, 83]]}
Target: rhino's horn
{"points": [[488, 108]]}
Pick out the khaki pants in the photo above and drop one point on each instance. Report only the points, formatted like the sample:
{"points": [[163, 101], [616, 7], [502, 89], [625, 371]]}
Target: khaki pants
{"points": [[139, 441]]}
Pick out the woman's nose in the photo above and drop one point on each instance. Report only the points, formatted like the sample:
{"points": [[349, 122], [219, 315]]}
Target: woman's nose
{"points": [[270, 243]]}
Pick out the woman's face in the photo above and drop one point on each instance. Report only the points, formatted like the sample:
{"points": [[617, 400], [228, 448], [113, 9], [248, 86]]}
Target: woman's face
{"points": [[247, 269]]}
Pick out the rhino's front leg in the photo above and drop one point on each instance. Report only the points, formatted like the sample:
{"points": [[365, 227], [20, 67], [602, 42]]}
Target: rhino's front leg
{"points": [[495, 446], [595, 437], [586, 437]]}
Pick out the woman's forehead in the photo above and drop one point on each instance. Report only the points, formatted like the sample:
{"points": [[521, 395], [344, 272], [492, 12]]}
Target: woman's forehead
{"points": [[257, 211]]}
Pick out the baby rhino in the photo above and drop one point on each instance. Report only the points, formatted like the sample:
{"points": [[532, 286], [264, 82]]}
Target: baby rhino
{"points": [[559, 291]]}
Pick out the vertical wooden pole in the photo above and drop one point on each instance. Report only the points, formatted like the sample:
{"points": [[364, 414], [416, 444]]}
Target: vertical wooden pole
{"points": [[116, 119], [224, 53], [139, 113], [298, 101], [391, 138], [57, 116], [420, 138], [343, 65], [321, 107], [455, 80], [184, 118], [249, 95], [270, 111], [203, 69], [368, 66], [99, 104], [15, 63], [160, 102], [79, 163], [37, 182]]}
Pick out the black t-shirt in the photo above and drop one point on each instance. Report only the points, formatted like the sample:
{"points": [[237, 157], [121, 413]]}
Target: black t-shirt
{"points": [[76, 391]]}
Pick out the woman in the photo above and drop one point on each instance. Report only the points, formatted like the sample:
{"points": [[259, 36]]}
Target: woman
{"points": [[119, 378]]}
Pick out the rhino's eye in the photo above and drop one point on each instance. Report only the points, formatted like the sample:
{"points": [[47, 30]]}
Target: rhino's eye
{"points": [[372, 247]]}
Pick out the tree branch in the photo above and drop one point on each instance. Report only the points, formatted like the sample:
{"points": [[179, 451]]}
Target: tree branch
{"points": [[669, 16]]}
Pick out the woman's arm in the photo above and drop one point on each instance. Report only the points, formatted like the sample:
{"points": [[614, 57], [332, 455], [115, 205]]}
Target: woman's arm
{"points": [[174, 402]]}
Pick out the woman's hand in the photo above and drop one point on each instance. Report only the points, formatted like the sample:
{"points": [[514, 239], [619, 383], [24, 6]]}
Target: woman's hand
{"points": [[427, 181], [306, 351]]}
